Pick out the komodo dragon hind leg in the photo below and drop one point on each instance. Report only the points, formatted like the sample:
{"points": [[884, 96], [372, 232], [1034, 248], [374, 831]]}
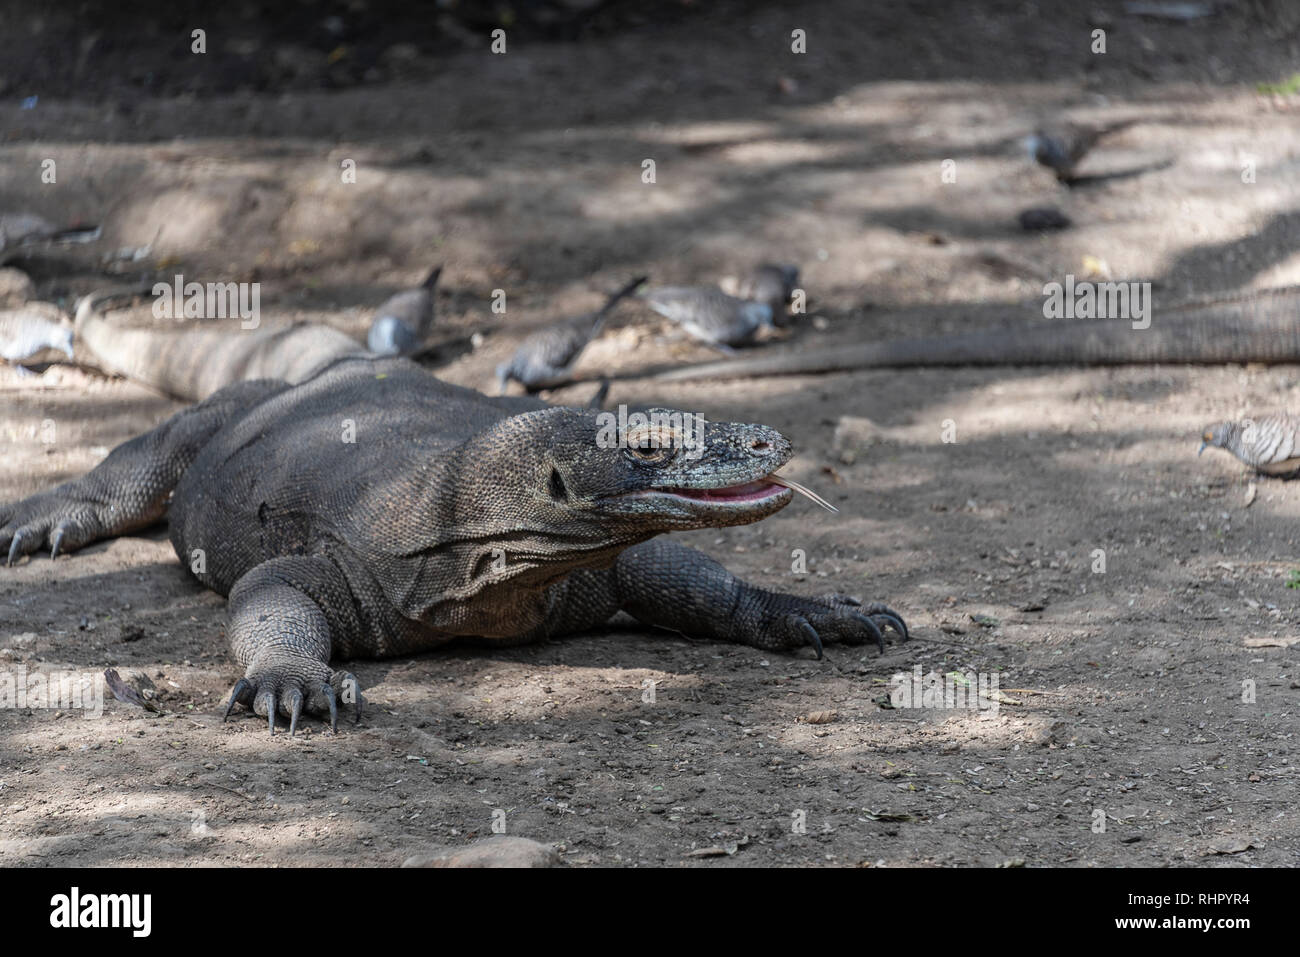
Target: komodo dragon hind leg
{"points": [[129, 489], [280, 632], [672, 586]]}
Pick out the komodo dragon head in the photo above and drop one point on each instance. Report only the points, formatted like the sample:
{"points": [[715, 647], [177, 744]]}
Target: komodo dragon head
{"points": [[600, 476], [535, 496]]}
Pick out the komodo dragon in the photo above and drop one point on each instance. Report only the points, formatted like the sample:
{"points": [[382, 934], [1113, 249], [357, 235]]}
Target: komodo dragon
{"points": [[1252, 327], [194, 363], [452, 514]]}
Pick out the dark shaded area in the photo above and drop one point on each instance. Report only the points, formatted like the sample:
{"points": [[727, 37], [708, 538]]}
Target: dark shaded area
{"points": [[110, 52], [298, 45]]}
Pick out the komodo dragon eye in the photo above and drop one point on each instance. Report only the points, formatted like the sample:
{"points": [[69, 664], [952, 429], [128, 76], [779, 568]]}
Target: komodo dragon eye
{"points": [[1208, 437], [647, 450]]}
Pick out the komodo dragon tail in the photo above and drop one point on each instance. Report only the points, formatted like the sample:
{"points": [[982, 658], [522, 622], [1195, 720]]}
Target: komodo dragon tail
{"points": [[193, 364], [1253, 327]]}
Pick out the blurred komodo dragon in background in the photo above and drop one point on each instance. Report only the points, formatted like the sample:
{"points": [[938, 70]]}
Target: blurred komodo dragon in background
{"points": [[450, 514], [193, 364], [1261, 326]]}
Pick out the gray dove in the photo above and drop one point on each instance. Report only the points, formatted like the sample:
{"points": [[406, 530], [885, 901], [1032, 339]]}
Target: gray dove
{"points": [[709, 314], [403, 321], [1062, 148], [1270, 443], [770, 283], [545, 358]]}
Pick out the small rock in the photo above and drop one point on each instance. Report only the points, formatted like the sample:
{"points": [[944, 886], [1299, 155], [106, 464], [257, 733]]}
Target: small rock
{"points": [[1230, 845], [496, 851], [1043, 217]]}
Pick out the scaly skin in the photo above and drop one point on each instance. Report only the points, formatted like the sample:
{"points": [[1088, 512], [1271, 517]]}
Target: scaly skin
{"points": [[376, 511]]}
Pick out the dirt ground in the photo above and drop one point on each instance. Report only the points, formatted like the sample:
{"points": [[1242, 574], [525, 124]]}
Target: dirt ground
{"points": [[1124, 688]]}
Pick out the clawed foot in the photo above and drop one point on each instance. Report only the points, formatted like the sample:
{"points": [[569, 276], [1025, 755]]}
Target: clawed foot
{"points": [[292, 686], [838, 619], [48, 518]]}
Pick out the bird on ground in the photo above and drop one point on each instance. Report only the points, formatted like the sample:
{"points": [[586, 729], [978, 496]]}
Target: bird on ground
{"points": [[402, 323], [545, 359], [1061, 148], [709, 314], [1269, 443], [772, 283]]}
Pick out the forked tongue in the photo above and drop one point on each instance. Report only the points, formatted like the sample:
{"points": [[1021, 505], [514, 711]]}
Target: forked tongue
{"points": [[796, 487]]}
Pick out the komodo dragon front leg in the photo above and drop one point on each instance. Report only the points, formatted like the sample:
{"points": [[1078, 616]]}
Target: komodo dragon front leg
{"points": [[129, 489], [282, 615], [673, 586], [284, 612]]}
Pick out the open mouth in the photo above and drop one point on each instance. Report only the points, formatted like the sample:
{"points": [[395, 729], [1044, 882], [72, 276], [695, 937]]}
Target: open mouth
{"points": [[762, 490], [758, 491]]}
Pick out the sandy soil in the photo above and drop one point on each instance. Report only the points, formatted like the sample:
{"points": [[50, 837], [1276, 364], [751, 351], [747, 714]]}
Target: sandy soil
{"points": [[523, 172]]}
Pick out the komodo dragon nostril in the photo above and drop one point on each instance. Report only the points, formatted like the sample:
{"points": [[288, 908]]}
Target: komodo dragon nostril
{"points": [[758, 445]]}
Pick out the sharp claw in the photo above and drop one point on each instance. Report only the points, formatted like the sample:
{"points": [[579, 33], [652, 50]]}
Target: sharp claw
{"points": [[54, 545], [328, 691], [895, 623], [270, 711], [873, 629], [13, 548], [295, 709], [242, 685], [814, 639]]}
